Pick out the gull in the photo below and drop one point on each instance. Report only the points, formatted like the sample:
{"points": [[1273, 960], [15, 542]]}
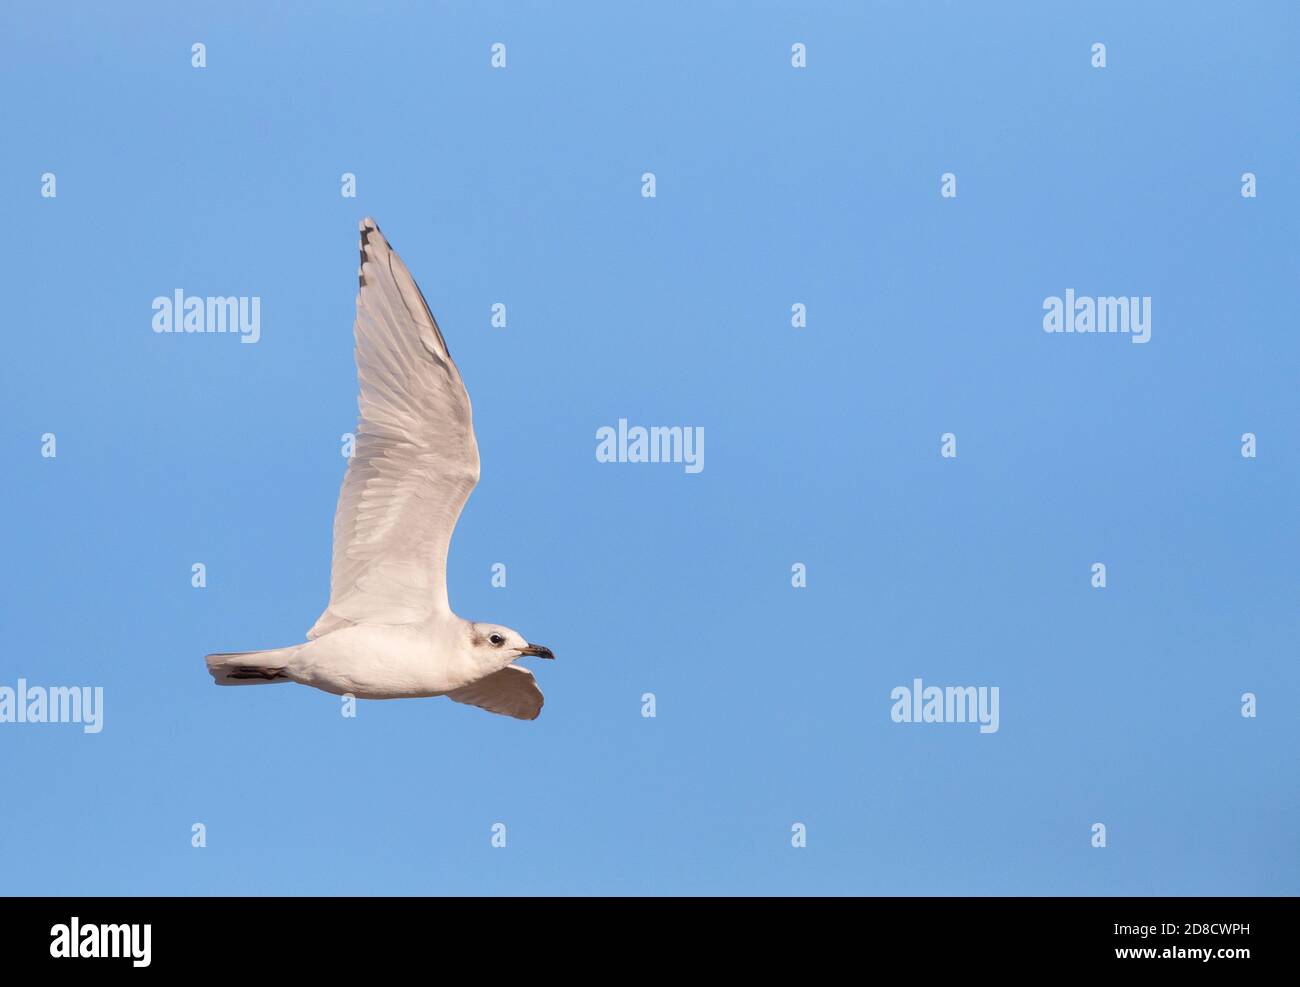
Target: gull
{"points": [[389, 631]]}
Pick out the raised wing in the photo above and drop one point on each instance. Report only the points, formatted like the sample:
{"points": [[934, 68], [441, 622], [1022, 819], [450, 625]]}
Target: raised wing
{"points": [[511, 692], [415, 460]]}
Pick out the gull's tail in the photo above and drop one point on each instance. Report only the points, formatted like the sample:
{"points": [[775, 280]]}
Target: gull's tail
{"points": [[250, 667]]}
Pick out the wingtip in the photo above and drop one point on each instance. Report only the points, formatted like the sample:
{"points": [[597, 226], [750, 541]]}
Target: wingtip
{"points": [[366, 227]]}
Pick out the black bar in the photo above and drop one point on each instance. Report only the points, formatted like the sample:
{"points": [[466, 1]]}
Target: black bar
{"points": [[299, 936]]}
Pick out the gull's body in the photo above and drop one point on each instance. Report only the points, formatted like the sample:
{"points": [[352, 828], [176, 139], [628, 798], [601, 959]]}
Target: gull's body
{"points": [[389, 631], [378, 662]]}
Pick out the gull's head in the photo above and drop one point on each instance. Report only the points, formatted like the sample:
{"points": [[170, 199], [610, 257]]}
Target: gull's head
{"points": [[500, 645]]}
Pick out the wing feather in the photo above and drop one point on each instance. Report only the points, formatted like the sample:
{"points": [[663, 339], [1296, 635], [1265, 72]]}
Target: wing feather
{"points": [[415, 460], [512, 691]]}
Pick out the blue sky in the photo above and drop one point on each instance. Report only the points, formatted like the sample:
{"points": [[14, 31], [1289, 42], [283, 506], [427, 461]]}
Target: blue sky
{"points": [[775, 185]]}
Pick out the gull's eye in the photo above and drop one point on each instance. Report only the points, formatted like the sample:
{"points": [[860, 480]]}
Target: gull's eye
{"points": [[497, 640]]}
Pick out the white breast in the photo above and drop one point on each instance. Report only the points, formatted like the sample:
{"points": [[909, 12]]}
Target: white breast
{"points": [[383, 662]]}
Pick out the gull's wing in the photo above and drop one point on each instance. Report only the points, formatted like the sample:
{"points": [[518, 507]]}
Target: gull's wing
{"points": [[415, 460], [511, 692]]}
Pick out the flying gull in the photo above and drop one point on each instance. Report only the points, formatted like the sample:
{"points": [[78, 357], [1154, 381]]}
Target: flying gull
{"points": [[388, 632]]}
